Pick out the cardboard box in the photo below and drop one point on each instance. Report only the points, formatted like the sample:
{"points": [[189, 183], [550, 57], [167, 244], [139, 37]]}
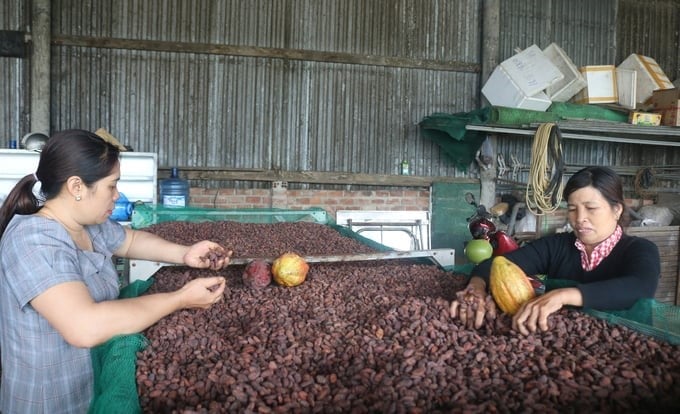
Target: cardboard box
{"points": [[644, 118], [601, 86], [670, 116], [662, 98], [650, 75], [573, 81], [502, 90], [665, 102]]}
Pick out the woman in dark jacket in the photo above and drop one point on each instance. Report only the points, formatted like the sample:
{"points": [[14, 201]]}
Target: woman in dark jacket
{"points": [[610, 269]]}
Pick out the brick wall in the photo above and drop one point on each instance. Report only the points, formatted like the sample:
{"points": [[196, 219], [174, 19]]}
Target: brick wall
{"points": [[330, 200]]}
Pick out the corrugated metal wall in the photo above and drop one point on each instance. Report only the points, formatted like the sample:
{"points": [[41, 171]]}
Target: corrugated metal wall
{"points": [[652, 27], [585, 29], [327, 109], [265, 112], [14, 96], [595, 33]]}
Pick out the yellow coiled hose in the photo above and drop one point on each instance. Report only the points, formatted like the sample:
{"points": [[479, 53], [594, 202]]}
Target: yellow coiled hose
{"points": [[544, 186]]}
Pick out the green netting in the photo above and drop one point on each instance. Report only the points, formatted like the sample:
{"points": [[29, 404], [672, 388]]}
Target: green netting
{"points": [[145, 215], [566, 110], [648, 316], [448, 131], [114, 364]]}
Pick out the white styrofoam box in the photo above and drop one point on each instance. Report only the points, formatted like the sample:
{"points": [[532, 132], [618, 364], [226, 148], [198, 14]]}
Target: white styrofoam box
{"points": [[16, 163], [600, 87], [573, 81], [138, 172], [650, 75], [531, 70], [626, 82], [139, 176], [501, 90]]}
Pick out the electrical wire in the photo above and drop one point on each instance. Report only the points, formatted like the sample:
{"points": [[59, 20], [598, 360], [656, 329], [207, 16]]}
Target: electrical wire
{"points": [[545, 184]]}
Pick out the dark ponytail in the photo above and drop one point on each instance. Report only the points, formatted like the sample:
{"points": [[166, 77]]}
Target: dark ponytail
{"points": [[67, 153], [20, 200]]}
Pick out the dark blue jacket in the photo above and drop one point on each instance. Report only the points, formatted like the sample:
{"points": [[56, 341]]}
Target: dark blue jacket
{"points": [[630, 272]]}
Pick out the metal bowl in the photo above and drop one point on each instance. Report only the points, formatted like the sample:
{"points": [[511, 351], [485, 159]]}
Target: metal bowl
{"points": [[34, 141]]}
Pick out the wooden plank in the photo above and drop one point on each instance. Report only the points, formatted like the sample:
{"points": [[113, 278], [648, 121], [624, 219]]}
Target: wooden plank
{"points": [[266, 52], [667, 240], [311, 177]]}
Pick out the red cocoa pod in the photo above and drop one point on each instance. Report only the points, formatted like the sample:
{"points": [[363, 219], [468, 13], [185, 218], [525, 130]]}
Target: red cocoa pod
{"points": [[257, 274]]}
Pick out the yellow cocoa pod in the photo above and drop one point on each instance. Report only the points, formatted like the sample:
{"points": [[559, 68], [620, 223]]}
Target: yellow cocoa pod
{"points": [[289, 269], [509, 285]]}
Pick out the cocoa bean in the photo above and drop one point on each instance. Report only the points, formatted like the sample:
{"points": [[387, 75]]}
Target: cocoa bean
{"points": [[377, 337]]}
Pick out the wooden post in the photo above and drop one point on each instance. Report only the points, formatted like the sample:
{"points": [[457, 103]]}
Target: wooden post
{"points": [[40, 67], [490, 59], [487, 174], [490, 36]]}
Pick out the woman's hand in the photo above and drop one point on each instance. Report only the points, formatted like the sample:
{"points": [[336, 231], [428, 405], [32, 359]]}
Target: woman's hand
{"points": [[473, 305], [207, 255], [534, 314], [202, 292]]}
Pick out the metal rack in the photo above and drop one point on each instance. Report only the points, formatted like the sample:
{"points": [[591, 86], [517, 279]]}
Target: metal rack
{"points": [[597, 131], [402, 230]]}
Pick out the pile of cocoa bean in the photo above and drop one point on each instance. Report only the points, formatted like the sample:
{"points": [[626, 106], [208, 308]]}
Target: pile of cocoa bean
{"points": [[377, 337]]}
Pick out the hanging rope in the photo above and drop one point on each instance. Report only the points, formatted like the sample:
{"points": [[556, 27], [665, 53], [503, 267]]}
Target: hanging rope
{"points": [[644, 181], [545, 185]]}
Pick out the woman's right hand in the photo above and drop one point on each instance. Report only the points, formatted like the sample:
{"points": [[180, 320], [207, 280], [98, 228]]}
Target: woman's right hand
{"points": [[202, 292], [473, 305]]}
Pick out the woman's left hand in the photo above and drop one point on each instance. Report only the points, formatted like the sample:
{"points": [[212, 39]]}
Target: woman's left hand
{"points": [[207, 255], [534, 314]]}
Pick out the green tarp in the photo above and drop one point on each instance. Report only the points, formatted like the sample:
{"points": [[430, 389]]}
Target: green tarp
{"points": [[448, 130]]}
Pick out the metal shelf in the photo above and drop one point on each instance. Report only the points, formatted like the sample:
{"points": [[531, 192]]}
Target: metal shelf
{"points": [[597, 131]]}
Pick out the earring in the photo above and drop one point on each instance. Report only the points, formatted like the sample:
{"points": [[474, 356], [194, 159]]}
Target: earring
{"points": [[78, 197]]}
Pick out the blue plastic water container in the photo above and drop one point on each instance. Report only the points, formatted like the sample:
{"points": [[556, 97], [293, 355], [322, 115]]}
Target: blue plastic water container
{"points": [[122, 210], [174, 190]]}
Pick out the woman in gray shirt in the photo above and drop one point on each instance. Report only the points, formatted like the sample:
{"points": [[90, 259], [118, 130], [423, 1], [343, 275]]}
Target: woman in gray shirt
{"points": [[58, 285]]}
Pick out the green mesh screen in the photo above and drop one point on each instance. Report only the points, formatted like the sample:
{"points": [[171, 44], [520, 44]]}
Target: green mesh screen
{"points": [[647, 316], [144, 215], [115, 366]]}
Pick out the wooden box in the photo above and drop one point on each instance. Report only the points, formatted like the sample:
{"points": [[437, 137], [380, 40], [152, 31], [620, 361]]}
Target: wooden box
{"points": [[667, 239]]}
